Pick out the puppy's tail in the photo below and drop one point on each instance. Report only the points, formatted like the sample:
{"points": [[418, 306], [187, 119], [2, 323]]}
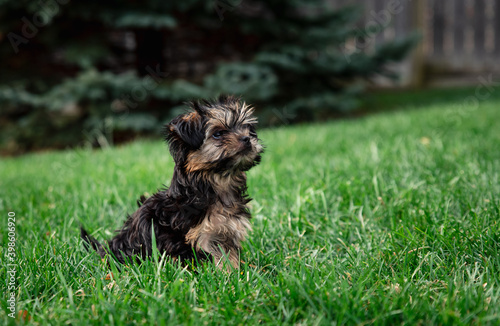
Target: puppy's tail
{"points": [[90, 242]]}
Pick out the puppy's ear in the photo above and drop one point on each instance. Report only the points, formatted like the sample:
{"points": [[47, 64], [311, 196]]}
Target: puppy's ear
{"points": [[185, 133]]}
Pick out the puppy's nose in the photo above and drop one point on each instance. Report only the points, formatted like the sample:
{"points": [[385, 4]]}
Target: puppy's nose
{"points": [[245, 140]]}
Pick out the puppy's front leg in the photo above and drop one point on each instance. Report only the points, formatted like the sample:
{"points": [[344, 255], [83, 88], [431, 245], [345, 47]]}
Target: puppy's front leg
{"points": [[218, 245], [221, 252]]}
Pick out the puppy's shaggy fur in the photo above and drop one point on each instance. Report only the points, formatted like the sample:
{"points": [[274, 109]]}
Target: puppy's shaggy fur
{"points": [[204, 212]]}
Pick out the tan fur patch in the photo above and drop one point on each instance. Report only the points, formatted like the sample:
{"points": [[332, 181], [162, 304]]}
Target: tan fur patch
{"points": [[220, 223], [204, 157], [191, 116], [239, 114]]}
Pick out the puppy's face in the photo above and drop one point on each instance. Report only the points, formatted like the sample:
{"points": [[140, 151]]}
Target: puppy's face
{"points": [[217, 137]]}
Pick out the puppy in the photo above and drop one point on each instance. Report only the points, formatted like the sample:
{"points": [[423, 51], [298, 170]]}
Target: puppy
{"points": [[204, 213]]}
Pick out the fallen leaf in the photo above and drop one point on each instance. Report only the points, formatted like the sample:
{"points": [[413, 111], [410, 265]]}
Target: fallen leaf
{"points": [[23, 315], [425, 141]]}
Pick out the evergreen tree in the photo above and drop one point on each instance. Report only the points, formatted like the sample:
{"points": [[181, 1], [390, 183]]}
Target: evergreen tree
{"points": [[72, 70]]}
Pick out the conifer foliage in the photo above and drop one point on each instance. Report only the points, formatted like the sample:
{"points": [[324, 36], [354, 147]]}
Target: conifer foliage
{"points": [[103, 71]]}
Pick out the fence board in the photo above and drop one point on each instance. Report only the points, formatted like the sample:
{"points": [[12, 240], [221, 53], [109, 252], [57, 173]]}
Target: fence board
{"points": [[438, 27], [403, 21], [381, 18], [496, 29], [479, 26], [459, 19], [459, 36]]}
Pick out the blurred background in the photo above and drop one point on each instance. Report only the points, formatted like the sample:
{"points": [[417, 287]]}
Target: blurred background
{"points": [[97, 73]]}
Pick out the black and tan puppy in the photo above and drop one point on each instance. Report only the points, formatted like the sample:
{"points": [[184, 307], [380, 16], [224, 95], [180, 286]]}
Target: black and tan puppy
{"points": [[204, 212]]}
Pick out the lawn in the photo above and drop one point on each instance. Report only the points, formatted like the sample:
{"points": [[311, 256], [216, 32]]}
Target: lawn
{"points": [[390, 219]]}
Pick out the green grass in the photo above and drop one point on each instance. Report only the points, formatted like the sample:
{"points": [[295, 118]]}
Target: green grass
{"points": [[391, 219], [383, 100]]}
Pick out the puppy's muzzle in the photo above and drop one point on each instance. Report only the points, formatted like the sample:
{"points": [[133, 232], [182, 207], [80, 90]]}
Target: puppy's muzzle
{"points": [[246, 141], [245, 144]]}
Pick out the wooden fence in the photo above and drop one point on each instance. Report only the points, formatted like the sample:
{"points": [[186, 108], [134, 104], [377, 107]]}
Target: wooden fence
{"points": [[460, 38]]}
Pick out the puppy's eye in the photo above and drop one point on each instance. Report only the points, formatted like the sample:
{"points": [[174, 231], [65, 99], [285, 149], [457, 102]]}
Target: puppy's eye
{"points": [[218, 134]]}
